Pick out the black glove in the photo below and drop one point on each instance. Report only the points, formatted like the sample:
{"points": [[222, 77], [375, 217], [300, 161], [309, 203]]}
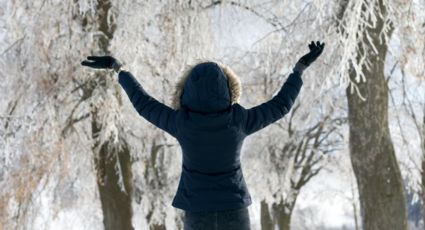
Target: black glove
{"points": [[102, 62], [315, 50]]}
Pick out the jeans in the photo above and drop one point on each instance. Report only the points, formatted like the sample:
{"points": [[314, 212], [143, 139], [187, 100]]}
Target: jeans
{"points": [[237, 219]]}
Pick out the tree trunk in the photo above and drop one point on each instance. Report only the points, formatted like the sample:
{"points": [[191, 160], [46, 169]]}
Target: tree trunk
{"points": [[266, 219], [282, 215], [423, 170], [356, 220], [157, 227], [372, 153], [116, 203]]}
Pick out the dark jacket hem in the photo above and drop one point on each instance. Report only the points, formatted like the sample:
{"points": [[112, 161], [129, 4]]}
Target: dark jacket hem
{"points": [[213, 207]]}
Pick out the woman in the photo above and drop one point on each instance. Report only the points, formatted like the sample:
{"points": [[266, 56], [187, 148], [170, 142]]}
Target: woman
{"points": [[210, 127]]}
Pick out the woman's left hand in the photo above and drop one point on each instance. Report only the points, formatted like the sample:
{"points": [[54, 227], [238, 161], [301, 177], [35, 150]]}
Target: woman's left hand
{"points": [[315, 50], [102, 62]]}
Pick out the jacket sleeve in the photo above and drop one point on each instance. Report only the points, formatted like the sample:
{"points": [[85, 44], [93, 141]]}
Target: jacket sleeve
{"points": [[262, 115], [148, 107]]}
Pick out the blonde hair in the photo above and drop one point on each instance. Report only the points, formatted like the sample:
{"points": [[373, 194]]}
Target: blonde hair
{"points": [[235, 86]]}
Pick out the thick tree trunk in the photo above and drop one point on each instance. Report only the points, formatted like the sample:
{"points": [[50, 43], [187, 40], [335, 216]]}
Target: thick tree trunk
{"points": [[381, 190], [116, 203]]}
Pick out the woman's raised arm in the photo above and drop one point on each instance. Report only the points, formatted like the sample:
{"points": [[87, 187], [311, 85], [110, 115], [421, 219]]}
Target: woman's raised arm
{"points": [[148, 107]]}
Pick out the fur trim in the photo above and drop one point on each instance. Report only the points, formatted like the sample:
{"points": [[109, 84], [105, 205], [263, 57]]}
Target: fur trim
{"points": [[232, 78]]}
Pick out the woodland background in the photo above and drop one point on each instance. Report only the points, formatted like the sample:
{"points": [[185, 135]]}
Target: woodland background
{"points": [[74, 154]]}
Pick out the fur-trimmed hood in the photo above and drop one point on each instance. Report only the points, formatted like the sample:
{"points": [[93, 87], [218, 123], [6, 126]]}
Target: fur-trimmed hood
{"points": [[207, 87]]}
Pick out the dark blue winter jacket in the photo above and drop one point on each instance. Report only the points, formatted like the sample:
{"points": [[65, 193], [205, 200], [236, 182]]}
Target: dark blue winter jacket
{"points": [[210, 130]]}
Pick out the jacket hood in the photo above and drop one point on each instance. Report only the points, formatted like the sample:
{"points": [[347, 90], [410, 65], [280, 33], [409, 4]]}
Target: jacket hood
{"points": [[207, 87]]}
